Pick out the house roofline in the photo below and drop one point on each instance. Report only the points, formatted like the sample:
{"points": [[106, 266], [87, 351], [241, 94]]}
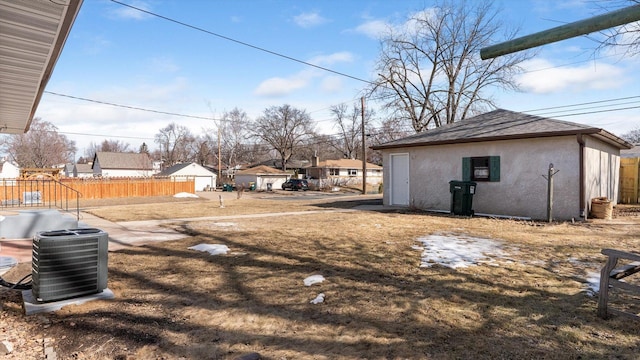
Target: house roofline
{"points": [[596, 132]]}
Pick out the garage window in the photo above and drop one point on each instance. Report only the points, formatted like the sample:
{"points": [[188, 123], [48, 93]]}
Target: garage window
{"points": [[481, 168]]}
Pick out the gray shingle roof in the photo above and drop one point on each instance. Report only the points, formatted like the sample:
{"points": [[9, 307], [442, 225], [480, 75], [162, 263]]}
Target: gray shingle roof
{"points": [[83, 168], [172, 169], [501, 124], [262, 170], [128, 161], [631, 153]]}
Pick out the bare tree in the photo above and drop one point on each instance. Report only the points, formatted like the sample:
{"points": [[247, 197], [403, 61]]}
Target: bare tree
{"points": [[41, 147], [144, 149], [349, 124], [202, 148], [632, 136], [110, 145], [625, 37], [430, 72], [176, 143], [324, 146], [234, 135], [390, 130], [284, 128]]}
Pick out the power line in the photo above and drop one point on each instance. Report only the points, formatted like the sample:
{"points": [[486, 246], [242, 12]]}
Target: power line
{"points": [[132, 107], [599, 111], [581, 104], [244, 43], [102, 135]]}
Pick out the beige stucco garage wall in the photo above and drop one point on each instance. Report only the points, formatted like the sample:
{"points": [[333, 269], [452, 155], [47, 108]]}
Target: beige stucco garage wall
{"points": [[521, 191], [602, 170]]}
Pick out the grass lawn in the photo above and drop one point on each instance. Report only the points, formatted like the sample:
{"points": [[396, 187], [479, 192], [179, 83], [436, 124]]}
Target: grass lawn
{"points": [[528, 300]]}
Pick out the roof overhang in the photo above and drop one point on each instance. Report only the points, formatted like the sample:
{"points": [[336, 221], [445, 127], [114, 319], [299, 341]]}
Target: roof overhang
{"points": [[32, 35], [600, 134]]}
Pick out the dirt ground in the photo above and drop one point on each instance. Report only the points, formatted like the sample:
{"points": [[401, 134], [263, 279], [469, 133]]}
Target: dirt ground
{"points": [[530, 301]]}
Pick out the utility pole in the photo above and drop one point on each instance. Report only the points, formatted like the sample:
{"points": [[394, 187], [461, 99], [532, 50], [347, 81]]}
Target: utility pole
{"points": [[364, 151], [219, 155], [612, 19], [549, 178]]}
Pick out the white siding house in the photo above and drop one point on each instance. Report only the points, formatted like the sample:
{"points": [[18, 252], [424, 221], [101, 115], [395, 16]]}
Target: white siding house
{"points": [[261, 175], [111, 164], [9, 170], [505, 153], [343, 172], [82, 171], [203, 178]]}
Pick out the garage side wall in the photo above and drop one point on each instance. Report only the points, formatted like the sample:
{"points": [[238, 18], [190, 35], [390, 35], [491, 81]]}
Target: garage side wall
{"points": [[521, 189], [602, 170]]}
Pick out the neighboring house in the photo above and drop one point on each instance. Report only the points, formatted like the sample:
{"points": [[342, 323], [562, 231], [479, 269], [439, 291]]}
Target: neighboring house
{"points": [[9, 170], [507, 153], [82, 171], [630, 175], [261, 175], [111, 164], [293, 166], [68, 170], [342, 172], [203, 178]]}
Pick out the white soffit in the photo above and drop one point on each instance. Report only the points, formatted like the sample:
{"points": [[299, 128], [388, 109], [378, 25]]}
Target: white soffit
{"points": [[32, 35]]}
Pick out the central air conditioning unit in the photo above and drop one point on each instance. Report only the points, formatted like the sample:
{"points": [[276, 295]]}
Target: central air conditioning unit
{"points": [[69, 263]]}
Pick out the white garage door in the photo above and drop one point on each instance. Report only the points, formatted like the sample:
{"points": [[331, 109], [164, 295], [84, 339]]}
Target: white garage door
{"points": [[202, 182]]}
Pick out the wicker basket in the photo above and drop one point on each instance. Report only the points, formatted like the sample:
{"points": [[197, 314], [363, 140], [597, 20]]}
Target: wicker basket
{"points": [[601, 208]]}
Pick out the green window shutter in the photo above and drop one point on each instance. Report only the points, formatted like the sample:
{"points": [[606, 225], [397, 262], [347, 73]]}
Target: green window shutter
{"points": [[494, 168], [466, 169]]}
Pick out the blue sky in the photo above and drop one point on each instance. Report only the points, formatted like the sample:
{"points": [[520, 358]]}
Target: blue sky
{"points": [[118, 55]]}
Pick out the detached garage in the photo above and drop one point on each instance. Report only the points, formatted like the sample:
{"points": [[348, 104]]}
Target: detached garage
{"points": [[505, 153], [204, 178], [263, 176]]}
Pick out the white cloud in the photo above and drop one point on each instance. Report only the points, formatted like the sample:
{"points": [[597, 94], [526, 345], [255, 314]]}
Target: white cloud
{"points": [[550, 79], [343, 56], [332, 84], [374, 29], [282, 86], [307, 20], [378, 28], [126, 12], [278, 86]]}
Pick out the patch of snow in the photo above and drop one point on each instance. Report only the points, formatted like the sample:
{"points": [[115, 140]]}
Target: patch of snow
{"points": [[313, 279], [213, 249], [224, 224], [319, 299], [593, 283], [458, 251], [185, 195]]}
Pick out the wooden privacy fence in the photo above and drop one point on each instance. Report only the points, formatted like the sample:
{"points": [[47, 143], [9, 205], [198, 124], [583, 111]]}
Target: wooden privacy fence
{"points": [[43, 191], [130, 187], [629, 181]]}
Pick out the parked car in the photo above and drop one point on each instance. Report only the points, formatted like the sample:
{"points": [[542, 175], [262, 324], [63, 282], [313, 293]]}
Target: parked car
{"points": [[295, 184]]}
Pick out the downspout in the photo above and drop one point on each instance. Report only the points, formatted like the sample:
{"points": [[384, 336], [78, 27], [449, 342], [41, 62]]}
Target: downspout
{"points": [[583, 210]]}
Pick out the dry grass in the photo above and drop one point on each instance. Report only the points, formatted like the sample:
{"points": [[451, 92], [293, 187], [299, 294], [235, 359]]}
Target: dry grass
{"points": [[173, 303]]}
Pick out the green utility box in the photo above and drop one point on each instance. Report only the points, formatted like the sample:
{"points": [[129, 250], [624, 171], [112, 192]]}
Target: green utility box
{"points": [[462, 197], [227, 187]]}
